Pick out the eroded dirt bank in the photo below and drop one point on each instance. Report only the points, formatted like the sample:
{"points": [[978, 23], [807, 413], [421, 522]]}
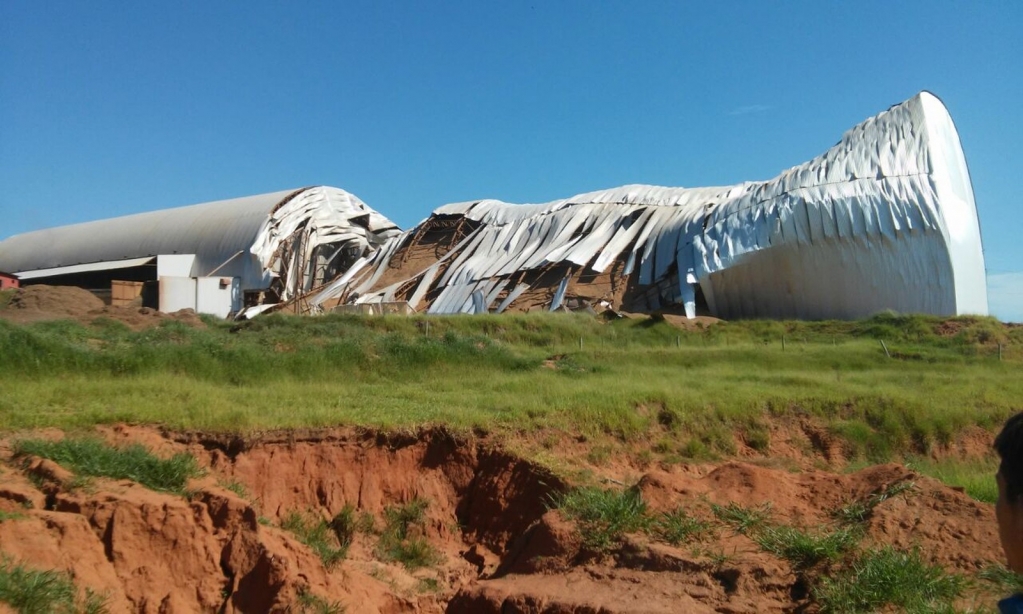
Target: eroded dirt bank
{"points": [[494, 545]]}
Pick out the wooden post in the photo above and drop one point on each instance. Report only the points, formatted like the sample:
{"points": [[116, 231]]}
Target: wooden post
{"points": [[783, 343], [885, 347], [427, 328], [678, 341], [580, 343]]}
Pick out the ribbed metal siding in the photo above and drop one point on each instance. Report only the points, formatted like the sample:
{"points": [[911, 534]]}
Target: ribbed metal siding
{"points": [[213, 231]]}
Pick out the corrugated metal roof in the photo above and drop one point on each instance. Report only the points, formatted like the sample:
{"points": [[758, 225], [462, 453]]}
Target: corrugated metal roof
{"points": [[85, 268], [213, 231], [256, 238]]}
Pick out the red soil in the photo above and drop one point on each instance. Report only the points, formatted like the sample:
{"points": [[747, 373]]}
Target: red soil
{"points": [[501, 549]]}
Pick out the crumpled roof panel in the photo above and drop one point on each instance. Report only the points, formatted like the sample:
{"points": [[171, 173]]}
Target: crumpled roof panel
{"points": [[894, 192]]}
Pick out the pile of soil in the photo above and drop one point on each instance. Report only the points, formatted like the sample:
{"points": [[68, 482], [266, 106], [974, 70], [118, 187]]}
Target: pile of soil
{"points": [[65, 301], [500, 546], [42, 303]]}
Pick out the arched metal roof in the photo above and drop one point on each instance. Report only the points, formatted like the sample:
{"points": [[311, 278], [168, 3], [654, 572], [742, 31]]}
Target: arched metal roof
{"points": [[213, 231], [255, 238]]}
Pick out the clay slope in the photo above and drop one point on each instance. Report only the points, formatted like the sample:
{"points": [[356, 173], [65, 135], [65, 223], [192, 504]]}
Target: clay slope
{"points": [[498, 548]]}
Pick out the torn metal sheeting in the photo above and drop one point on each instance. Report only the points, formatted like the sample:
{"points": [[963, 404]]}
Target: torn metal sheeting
{"points": [[885, 219]]}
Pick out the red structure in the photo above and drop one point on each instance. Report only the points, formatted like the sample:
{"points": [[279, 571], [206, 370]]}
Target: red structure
{"points": [[8, 281]]}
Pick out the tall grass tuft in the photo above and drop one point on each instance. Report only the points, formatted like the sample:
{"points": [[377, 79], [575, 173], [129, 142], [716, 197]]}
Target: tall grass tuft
{"points": [[310, 603], [92, 457], [1007, 581], [31, 591], [326, 539], [745, 520], [402, 539], [804, 549], [677, 527], [862, 509], [975, 477], [880, 579], [604, 516]]}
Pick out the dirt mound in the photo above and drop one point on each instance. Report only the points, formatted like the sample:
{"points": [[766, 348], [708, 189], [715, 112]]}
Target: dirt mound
{"points": [[138, 318], [43, 303], [55, 300], [230, 545], [924, 512]]}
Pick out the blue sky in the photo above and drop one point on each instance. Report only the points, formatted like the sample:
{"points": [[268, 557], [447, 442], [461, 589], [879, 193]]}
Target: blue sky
{"points": [[113, 108]]}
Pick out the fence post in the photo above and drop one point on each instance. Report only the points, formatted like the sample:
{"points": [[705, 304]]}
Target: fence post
{"points": [[783, 343], [885, 347], [678, 341]]}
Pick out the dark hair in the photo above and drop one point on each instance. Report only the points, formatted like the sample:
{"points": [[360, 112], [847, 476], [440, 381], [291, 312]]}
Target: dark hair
{"points": [[1009, 445]]}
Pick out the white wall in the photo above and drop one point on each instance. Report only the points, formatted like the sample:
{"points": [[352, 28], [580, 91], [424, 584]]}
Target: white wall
{"points": [[218, 296], [176, 293], [175, 265]]}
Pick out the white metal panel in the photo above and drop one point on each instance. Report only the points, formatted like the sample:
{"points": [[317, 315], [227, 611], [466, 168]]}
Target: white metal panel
{"points": [[177, 293], [175, 265], [217, 296]]}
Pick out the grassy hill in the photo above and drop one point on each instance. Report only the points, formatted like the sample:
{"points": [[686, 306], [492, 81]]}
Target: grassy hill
{"points": [[930, 378]]}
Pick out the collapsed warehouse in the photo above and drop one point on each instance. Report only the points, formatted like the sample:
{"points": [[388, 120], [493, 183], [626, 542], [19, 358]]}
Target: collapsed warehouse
{"points": [[885, 219], [218, 258]]}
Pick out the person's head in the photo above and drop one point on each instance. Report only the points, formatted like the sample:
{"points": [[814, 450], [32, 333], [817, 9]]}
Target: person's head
{"points": [[1009, 509]]}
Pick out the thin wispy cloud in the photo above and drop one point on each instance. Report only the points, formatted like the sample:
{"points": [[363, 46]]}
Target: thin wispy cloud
{"points": [[750, 109], [1005, 296]]}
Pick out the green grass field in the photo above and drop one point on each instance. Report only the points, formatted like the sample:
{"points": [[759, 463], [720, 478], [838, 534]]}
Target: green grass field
{"points": [[524, 373], [286, 371]]}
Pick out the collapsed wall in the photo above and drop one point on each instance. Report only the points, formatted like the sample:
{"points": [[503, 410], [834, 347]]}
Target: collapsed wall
{"points": [[885, 219]]}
